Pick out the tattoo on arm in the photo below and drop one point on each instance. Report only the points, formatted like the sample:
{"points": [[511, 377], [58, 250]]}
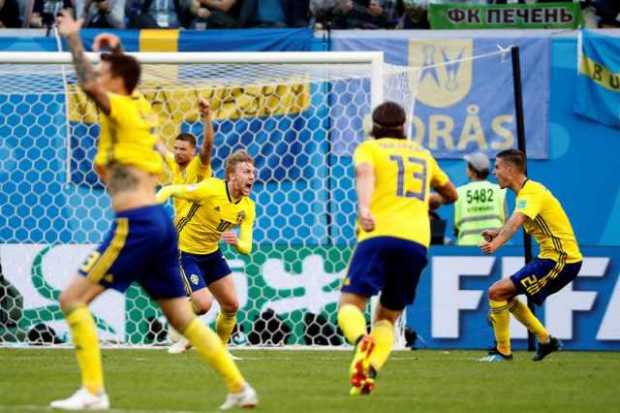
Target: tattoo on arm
{"points": [[83, 68]]}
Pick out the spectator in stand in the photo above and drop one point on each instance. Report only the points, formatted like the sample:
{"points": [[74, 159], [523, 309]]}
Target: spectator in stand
{"points": [[264, 13], [297, 13], [101, 13], [212, 14], [153, 14], [9, 14], [44, 11], [415, 15], [608, 12], [358, 14]]}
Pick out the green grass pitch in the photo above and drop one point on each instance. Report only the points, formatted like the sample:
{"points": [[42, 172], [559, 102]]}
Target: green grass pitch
{"points": [[316, 381]]}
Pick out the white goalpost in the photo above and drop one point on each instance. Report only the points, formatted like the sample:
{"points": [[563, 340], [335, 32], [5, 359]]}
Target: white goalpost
{"points": [[299, 114]]}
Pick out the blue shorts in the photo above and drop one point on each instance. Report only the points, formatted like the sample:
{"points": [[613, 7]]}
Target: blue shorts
{"points": [[387, 264], [141, 246], [543, 277], [200, 270]]}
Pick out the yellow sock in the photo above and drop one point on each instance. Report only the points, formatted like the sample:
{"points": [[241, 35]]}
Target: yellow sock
{"points": [[383, 332], [224, 325], [211, 349], [352, 322], [529, 320], [500, 318], [84, 333]]}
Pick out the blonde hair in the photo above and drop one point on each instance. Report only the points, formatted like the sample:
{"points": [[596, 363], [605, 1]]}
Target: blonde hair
{"points": [[238, 156]]}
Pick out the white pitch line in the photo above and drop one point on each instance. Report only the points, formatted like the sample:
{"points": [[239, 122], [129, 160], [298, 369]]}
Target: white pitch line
{"points": [[21, 407]]}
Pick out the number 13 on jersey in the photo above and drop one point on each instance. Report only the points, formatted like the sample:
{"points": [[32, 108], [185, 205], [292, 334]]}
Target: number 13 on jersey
{"points": [[411, 174]]}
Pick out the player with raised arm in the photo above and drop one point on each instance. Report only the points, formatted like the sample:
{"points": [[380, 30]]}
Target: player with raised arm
{"points": [[142, 243], [393, 178], [559, 261], [185, 165], [215, 207]]}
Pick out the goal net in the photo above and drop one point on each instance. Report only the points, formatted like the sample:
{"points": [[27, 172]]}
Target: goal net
{"points": [[299, 115]]}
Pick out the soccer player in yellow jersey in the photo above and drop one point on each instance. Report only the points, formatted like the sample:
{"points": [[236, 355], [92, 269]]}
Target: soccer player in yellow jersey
{"points": [[393, 179], [214, 208], [142, 243], [185, 166], [558, 263]]}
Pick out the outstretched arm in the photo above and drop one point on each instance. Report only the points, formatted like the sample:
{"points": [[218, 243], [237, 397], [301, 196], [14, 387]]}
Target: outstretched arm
{"points": [[505, 233], [194, 192], [86, 74], [207, 144]]}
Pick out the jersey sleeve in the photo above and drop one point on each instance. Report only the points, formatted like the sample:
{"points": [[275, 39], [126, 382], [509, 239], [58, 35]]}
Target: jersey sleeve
{"points": [[529, 204], [363, 154], [197, 171], [244, 244], [438, 176], [194, 192]]}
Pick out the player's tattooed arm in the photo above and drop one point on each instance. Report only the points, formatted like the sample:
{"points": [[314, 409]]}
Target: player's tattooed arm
{"points": [[207, 145], [86, 74], [84, 70]]}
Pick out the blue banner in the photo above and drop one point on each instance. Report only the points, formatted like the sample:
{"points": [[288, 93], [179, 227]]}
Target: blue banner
{"points": [[246, 40], [598, 85], [237, 40], [451, 306], [462, 98]]}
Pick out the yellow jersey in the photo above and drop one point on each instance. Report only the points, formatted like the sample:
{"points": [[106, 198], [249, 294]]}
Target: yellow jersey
{"points": [[209, 213], [404, 173], [547, 222], [128, 134], [193, 173]]}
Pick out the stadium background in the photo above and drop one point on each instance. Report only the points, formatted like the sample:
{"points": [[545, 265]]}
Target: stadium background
{"points": [[575, 161]]}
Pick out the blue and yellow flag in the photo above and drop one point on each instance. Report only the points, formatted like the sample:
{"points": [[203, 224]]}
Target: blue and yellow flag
{"points": [[597, 95]]}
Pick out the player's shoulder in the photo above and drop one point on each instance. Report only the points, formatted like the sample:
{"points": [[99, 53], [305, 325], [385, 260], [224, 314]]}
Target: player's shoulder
{"points": [[365, 145], [534, 187], [213, 182]]}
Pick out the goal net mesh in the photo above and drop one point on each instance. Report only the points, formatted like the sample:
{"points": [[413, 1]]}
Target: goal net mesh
{"points": [[300, 122]]}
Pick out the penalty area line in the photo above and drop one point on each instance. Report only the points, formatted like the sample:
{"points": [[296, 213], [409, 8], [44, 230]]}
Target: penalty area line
{"points": [[32, 407]]}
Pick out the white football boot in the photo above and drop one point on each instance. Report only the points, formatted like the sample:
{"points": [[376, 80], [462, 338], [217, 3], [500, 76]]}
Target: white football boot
{"points": [[245, 399], [83, 400], [180, 346]]}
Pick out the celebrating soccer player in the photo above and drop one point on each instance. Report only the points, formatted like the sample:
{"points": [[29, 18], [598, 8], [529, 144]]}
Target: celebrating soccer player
{"points": [[186, 166], [216, 207], [142, 243], [393, 177], [558, 263]]}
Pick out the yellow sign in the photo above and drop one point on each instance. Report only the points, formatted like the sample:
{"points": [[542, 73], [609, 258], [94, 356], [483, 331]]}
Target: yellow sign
{"points": [[445, 75]]}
